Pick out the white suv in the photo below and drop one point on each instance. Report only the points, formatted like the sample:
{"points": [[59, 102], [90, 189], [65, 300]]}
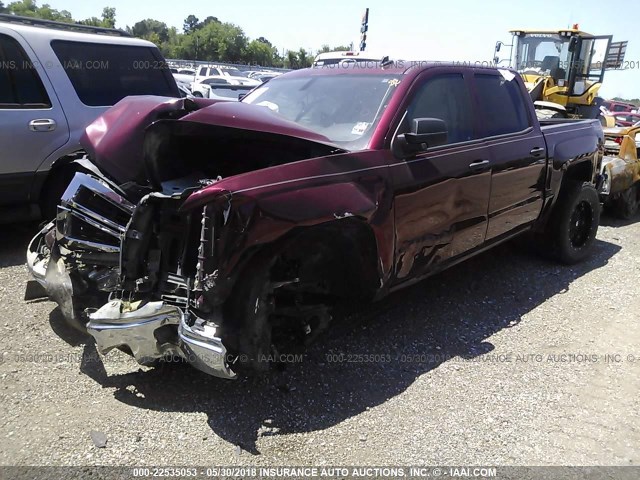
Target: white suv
{"points": [[55, 79]]}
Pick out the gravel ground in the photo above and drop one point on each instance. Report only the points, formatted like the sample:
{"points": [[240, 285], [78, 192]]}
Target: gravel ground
{"points": [[500, 360]]}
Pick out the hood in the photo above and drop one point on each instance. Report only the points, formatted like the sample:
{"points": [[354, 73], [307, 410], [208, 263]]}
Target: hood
{"points": [[115, 140], [252, 117]]}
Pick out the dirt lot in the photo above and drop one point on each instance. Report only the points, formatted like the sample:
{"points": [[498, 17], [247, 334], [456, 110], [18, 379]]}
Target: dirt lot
{"points": [[501, 360]]}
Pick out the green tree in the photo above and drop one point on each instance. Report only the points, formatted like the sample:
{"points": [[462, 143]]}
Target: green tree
{"points": [[326, 48], [190, 24], [208, 20], [152, 30], [25, 8], [224, 42], [109, 17], [291, 59], [259, 53], [264, 40], [29, 8], [304, 59]]}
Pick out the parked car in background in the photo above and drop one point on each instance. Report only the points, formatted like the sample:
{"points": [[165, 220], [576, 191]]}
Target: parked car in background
{"points": [[55, 79], [258, 74], [219, 88], [626, 119], [184, 76], [231, 73], [614, 106], [232, 239], [266, 77]]}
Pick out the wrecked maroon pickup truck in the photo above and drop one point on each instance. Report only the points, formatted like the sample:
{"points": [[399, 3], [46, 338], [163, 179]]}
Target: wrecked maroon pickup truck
{"points": [[225, 232]]}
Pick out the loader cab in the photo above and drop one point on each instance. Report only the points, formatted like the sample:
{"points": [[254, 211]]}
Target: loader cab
{"points": [[565, 67]]}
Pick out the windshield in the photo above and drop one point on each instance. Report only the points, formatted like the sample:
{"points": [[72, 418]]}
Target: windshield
{"points": [[343, 108], [543, 53]]}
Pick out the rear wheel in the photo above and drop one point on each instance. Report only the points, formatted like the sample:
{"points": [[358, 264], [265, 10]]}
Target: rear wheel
{"points": [[627, 203], [574, 223]]}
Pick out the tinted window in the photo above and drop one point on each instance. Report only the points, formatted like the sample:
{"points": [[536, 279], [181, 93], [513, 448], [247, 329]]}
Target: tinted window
{"points": [[447, 98], [103, 74], [502, 104], [20, 85]]}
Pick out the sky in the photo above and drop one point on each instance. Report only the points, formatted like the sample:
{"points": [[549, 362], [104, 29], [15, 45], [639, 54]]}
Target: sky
{"points": [[464, 30]]}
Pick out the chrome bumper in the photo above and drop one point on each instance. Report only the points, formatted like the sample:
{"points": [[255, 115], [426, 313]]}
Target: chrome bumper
{"points": [[141, 331], [153, 331]]}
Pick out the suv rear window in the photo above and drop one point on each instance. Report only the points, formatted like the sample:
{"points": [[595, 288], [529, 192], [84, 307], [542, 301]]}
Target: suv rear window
{"points": [[503, 105], [102, 74]]}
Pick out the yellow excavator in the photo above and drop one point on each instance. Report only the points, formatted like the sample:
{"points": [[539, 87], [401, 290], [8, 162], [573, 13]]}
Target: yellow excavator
{"points": [[564, 69]]}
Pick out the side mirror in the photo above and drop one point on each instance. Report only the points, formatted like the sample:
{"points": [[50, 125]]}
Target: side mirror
{"points": [[429, 131], [425, 133], [498, 46]]}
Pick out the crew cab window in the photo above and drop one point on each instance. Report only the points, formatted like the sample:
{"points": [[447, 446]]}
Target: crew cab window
{"points": [[103, 74], [203, 71], [20, 85], [445, 97], [502, 104]]}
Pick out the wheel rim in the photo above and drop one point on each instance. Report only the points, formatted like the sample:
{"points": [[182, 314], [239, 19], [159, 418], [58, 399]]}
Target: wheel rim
{"points": [[580, 224]]}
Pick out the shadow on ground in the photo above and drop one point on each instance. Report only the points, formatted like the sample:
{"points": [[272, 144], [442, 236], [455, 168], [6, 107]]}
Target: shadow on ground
{"points": [[13, 243], [451, 314]]}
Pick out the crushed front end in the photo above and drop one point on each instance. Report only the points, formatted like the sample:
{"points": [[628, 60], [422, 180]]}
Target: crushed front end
{"points": [[127, 267]]}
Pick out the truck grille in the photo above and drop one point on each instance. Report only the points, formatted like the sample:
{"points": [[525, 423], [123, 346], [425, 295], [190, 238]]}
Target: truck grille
{"points": [[92, 216]]}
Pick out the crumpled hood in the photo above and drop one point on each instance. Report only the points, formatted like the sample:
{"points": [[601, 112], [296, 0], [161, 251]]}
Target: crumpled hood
{"points": [[115, 140], [252, 117]]}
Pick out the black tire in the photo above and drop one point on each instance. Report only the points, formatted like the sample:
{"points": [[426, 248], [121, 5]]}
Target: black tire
{"points": [[248, 332], [574, 223], [627, 203], [197, 94], [264, 321]]}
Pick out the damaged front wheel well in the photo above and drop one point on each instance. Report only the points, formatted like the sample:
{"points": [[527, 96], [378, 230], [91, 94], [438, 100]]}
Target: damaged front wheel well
{"points": [[284, 295]]}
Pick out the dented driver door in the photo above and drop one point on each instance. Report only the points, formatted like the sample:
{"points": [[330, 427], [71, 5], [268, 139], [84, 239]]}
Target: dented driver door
{"points": [[441, 194]]}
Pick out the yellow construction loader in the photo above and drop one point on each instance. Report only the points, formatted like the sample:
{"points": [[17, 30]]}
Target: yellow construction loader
{"points": [[564, 69]]}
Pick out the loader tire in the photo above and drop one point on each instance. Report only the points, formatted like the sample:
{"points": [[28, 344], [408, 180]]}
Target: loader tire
{"points": [[627, 203]]}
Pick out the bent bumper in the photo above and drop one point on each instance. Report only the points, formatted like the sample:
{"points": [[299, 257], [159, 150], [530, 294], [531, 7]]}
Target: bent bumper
{"points": [[151, 332], [155, 331]]}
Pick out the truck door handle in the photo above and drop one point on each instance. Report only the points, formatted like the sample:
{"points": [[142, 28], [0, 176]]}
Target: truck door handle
{"points": [[479, 165], [42, 125], [537, 151]]}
